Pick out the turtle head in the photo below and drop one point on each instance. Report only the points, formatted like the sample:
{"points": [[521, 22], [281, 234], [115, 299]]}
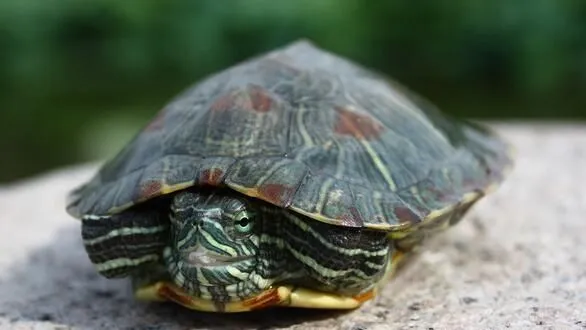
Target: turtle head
{"points": [[226, 248], [214, 245]]}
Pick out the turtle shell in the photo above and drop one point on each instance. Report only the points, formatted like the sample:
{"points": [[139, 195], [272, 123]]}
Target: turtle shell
{"points": [[309, 131]]}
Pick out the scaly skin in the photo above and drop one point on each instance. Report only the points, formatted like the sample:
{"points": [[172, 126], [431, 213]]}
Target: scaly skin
{"points": [[220, 246], [224, 247]]}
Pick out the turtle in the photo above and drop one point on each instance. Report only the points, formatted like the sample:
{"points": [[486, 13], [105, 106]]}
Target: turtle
{"points": [[294, 178]]}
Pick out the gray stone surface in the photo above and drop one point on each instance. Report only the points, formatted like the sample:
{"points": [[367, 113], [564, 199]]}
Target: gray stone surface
{"points": [[518, 261]]}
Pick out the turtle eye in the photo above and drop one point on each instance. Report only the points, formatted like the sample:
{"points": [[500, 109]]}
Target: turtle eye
{"points": [[244, 223]]}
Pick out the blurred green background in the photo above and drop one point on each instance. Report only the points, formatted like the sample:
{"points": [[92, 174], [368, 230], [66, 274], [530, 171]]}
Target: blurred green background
{"points": [[78, 77]]}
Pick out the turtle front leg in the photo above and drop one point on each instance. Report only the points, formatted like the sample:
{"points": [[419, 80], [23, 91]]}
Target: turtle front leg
{"points": [[118, 244]]}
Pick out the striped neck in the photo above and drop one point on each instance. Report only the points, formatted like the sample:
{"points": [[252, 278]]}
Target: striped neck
{"points": [[226, 247]]}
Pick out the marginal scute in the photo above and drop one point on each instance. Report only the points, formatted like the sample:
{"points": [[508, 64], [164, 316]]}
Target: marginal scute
{"points": [[438, 222], [352, 218], [338, 203], [435, 191], [274, 180], [90, 200], [404, 214], [308, 194], [116, 194], [249, 172], [149, 189], [181, 170], [214, 165], [152, 180], [276, 194], [211, 177], [461, 210]]}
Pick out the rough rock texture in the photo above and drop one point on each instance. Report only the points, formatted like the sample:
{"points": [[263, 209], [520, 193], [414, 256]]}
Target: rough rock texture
{"points": [[518, 261]]}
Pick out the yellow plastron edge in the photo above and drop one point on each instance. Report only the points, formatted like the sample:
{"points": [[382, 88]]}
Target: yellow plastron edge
{"points": [[280, 296]]}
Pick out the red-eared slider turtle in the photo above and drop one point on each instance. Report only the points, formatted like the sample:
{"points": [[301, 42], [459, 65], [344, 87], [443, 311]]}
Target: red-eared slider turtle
{"points": [[297, 178]]}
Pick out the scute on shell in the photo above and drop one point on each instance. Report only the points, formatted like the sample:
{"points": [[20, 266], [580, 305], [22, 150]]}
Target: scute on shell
{"points": [[304, 129]]}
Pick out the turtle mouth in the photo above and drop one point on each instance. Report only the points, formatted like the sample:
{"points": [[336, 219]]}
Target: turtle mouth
{"points": [[203, 257]]}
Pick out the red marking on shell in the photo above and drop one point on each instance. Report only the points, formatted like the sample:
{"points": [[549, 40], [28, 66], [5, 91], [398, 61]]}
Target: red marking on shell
{"points": [[353, 219], [253, 98], [263, 300], [405, 214], [150, 189], [360, 126], [211, 176], [224, 102], [157, 123], [276, 194], [260, 100], [172, 295]]}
